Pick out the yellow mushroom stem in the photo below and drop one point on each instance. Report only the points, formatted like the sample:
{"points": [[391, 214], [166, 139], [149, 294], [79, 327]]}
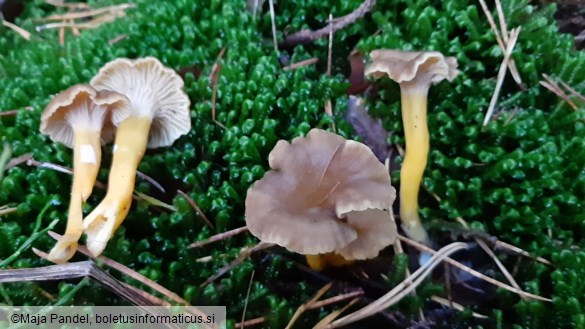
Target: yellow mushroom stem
{"points": [[414, 119], [86, 163], [321, 261], [129, 148]]}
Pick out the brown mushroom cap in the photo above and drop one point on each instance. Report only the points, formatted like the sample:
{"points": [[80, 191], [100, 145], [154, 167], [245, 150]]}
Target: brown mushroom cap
{"points": [[323, 194], [82, 107], [154, 91], [406, 66]]}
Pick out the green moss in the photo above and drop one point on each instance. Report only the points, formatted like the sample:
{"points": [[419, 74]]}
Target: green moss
{"points": [[518, 179]]}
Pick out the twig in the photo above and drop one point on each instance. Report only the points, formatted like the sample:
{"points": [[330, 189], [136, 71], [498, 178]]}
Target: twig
{"points": [[219, 237], [502, 74], [474, 272], [455, 306], [243, 256], [129, 272], [308, 36], [22, 32], [271, 5], [247, 297], [196, 207], [296, 65]]}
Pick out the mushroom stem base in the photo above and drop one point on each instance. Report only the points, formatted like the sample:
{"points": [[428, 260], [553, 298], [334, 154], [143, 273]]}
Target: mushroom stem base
{"points": [[321, 261], [87, 158], [129, 148], [414, 119]]}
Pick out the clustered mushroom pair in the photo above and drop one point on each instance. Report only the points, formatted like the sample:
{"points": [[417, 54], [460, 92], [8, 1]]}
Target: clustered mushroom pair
{"points": [[328, 198], [142, 104]]}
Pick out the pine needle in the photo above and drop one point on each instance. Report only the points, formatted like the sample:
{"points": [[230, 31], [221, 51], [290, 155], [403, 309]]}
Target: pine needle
{"points": [[297, 65], [6, 210], [493, 256], [247, 298], [551, 85], [22, 32], [219, 237], [334, 315], [194, 205], [241, 258], [474, 272], [305, 306], [155, 202], [401, 290], [502, 44], [90, 13], [271, 4], [4, 158], [37, 232], [455, 306], [70, 5], [502, 74], [129, 272], [214, 78]]}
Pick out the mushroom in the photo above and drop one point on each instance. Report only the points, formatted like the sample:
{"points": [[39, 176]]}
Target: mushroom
{"points": [[80, 118], [415, 72], [159, 114], [325, 197]]}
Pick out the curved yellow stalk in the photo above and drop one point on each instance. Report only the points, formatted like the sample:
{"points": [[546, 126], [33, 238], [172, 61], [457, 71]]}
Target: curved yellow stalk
{"points": [[129, 148], [86, 161], [414, 119]]}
